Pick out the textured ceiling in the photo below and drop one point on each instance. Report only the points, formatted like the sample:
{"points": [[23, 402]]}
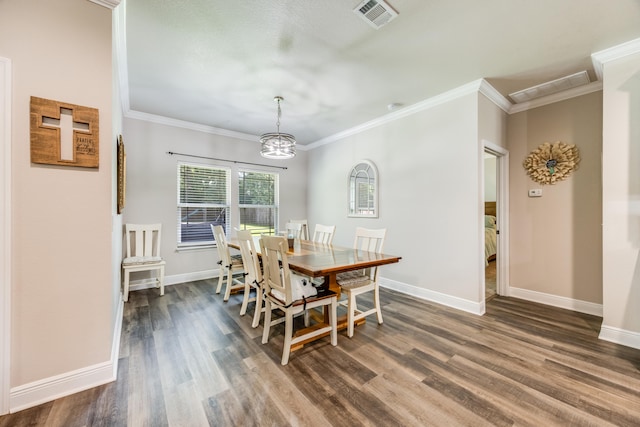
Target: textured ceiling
{"points": [[220, 63]]}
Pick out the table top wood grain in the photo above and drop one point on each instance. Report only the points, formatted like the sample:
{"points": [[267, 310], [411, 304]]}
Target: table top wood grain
{"points": [[320, 260]]}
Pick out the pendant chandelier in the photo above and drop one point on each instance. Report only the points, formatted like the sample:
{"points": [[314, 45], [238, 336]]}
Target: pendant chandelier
{"points": [[276, 145]]}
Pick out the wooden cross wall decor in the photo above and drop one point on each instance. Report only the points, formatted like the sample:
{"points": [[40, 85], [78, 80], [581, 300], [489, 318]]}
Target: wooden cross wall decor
{"points": [[64, 134]]}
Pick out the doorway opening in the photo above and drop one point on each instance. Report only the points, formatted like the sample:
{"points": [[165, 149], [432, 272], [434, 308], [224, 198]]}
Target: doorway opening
{"points": [[490, 225], [496, 220]]}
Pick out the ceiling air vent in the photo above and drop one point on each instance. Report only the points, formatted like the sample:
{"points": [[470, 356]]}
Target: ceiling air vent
{"points": [[548, 88], [375, 12]]}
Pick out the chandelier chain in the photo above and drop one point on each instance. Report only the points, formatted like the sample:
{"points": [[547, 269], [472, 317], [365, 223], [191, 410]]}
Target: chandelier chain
{"points": [[279, 115], [278, 145]]}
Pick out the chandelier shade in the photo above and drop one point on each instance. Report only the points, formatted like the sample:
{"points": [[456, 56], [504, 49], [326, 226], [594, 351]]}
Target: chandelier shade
{"points": [[277, 145]]}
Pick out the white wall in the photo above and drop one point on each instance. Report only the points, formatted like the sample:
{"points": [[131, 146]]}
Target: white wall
{"points": [[152, 185], [620, 200], [429, 198], [62, 290]]}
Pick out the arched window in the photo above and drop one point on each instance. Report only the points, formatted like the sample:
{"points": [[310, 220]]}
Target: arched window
{"points": [[363, 190]]}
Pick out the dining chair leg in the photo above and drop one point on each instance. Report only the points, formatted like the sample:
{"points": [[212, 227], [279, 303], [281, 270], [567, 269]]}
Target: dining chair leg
{"points": [[220, 279], [306, 318], [245, 298], [376, 300], [227, 292], [288, 334], [333, 320], [258, 310], [351, 314], [161, 281], [125, 291], [267, 321]]}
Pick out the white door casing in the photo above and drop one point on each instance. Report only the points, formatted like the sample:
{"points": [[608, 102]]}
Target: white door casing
{"points": [[502, 211], [5, 233]]}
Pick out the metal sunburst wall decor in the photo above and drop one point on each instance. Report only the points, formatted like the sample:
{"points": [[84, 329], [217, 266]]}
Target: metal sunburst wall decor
{"points": [[552, 162]]}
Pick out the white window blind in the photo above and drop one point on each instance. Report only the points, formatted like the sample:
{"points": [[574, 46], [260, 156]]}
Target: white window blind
{"points": [[203, 200], [258, 201]]}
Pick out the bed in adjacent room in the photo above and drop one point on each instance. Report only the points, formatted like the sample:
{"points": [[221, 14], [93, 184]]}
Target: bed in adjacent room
{"points": [[490, 232]]}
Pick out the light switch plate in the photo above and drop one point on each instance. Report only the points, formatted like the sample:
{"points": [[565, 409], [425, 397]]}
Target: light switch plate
{"points": [[535, 192]]}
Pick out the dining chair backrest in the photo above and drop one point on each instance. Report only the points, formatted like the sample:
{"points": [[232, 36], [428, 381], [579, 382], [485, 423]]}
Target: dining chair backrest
{"points": [[143, 240], [229, 265], [221, 244], [324, 234], [275, 266], [142, 253], [304, 235], [253, 278], [369, 240], [250, 258], [294, 230]]}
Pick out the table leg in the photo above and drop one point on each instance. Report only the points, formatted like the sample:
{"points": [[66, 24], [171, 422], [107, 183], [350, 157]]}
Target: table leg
{"points": [[342, 320]]}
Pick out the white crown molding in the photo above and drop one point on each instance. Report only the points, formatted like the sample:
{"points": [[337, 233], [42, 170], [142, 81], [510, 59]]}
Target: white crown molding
{"points": [[443, 98], [138, 115], [616, 52], [109, 4], [556, 97], [494, 96]]}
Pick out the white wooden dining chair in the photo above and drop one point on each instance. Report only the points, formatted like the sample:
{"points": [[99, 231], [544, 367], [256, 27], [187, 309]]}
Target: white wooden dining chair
{"points": [[278, 296], [142, 253], [295, 230], [230, 266], [253, 279], [358, 282], [324, 234], [304, 233]]}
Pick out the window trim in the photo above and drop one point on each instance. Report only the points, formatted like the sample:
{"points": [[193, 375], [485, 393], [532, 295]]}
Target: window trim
{"points": [[276, 195], [229, 206]]}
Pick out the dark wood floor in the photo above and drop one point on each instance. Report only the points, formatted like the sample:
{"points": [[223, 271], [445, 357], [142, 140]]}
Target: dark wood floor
{"points": [[188, 359]]}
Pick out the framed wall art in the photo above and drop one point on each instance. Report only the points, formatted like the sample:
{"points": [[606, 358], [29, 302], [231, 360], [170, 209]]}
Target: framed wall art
{"points": [[122, 175]]}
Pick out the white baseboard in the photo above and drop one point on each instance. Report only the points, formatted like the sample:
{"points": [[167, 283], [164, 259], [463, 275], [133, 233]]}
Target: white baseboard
{"points": [[437, 297], [136, 285], [557, 301], [620, 336], [48, 389]]}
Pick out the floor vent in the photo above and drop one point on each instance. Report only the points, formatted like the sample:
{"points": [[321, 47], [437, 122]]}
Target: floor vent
{"points": [[375, 12], [548, 88]]}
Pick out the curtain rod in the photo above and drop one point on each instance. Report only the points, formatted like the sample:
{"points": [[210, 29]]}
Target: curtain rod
{"points": [[225, 160]]}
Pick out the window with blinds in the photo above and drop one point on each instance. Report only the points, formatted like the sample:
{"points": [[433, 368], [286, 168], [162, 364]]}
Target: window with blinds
{"points": [[203, 200], [258, 201]]}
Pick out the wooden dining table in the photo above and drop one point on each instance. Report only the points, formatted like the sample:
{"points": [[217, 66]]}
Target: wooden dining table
{"points": [[321, 260]]}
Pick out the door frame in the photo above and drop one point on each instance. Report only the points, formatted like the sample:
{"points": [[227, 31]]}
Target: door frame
{"points": [[5, 234], [502, 211]]}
